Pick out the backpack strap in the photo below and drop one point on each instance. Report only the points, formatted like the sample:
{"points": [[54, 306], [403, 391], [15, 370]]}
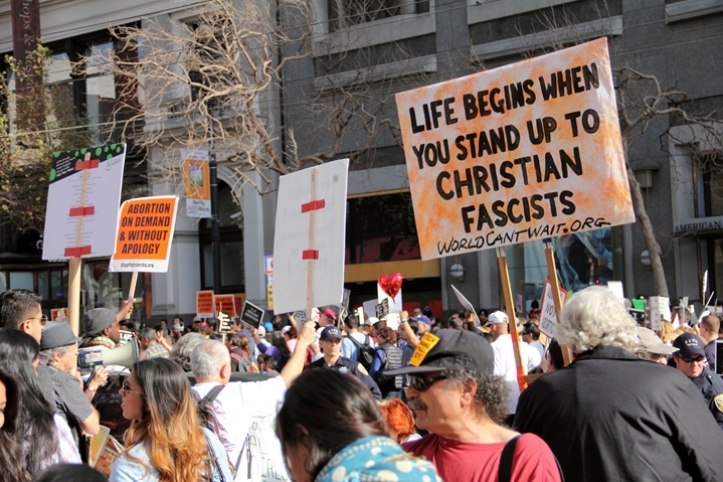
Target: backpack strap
{"points": [[210, 397], [504, 471], [353, 340]]}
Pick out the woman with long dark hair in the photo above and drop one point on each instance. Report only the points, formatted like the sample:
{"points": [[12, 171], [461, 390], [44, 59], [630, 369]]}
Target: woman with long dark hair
{"points": [[166, 441], [331, 429], [11, 455], [44, 437]]}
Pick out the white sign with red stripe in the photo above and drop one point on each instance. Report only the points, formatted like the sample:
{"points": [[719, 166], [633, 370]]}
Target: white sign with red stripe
{"points": [[81, 216], [309, 238]]}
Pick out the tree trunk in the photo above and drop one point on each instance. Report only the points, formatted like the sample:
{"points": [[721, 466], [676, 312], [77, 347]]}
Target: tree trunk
{"points": [[646, 227]]}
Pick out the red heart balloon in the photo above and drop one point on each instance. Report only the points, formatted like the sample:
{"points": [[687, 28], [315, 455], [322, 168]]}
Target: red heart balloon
{"points": [[391, 283]]}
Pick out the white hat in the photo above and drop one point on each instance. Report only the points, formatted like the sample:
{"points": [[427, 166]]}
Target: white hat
{"points": [[261, 331], [286, 329], [371, 320], [497, 318]]}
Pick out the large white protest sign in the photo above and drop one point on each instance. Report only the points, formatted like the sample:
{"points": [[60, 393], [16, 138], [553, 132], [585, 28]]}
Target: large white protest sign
{"points": [[517, 153], [309, 238], [548, 314], [267, 459], [81, 216]]}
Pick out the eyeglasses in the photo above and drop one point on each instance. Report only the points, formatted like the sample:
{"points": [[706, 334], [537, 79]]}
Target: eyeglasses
{"points": [[699, 359], [127, 389], [422, 384], [43, 319]]}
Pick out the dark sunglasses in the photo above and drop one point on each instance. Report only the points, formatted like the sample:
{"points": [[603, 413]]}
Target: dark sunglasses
{"points": [[698, 359], [422, 384], [127, 389]]}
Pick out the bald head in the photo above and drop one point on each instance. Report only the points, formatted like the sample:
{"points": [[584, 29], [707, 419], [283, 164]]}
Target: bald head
{"points": [[210, 360]]}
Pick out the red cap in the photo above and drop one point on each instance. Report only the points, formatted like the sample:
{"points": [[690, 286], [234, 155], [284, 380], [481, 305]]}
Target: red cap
{"points": [[329, 313]]}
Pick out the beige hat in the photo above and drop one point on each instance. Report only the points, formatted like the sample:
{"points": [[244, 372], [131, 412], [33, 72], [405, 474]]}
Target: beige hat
{"points": [[652, 343]]}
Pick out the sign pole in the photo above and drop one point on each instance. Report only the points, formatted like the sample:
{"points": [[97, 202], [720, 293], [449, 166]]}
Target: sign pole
{"points": [[132, 288], [310, 254], [552, 276], [74, 276], [511, 315]]}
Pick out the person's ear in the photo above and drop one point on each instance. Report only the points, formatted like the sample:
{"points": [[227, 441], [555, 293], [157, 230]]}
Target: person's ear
{"points": [[225, 372], [469, 390]]}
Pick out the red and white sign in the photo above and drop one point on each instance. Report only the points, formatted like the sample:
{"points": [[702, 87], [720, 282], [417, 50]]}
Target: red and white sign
{"points": [[309, 240]]}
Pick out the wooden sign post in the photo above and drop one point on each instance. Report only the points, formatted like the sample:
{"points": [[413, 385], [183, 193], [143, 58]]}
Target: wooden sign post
{"points": [[81, 211], [552, 276], [511, 315]]}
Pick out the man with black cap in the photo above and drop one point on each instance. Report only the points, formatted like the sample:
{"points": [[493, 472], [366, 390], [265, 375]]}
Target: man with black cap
{"points": [[330, 342], [690, 361], [458, 399], [60, 346]]}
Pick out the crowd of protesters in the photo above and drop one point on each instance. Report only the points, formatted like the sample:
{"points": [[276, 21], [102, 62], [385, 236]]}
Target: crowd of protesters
{"points": [[350, 399]]}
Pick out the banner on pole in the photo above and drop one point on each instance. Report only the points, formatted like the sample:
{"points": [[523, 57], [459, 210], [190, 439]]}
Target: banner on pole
{"points": [[467, 304], [81, 215], [145, 235], [252, 314], [204, 304], [516, 153], [225, 303], [197, 182], [309, 239], [548, 314]]}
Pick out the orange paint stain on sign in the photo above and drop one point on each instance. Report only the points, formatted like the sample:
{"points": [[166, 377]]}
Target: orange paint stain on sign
{"points": [[526, 151]]}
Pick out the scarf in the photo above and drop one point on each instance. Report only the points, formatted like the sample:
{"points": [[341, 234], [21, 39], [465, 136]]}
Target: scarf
{"points": [[99, 340], [376, 459]]}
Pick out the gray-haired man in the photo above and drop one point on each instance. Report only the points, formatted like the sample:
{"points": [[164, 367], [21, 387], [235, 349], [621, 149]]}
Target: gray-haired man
{"points": [[236, 405]]}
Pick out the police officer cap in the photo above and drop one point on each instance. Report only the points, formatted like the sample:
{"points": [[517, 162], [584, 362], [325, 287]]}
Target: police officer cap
{"points": [[689, 345], [330, 333]]}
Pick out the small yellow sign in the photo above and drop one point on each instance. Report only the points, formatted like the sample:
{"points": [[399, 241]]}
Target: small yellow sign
{"points": [[427, 342], [270, 296]]}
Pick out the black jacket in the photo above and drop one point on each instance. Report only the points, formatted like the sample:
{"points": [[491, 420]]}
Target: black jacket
{"points": [[610, 416], [345, 365], [710, 386]]}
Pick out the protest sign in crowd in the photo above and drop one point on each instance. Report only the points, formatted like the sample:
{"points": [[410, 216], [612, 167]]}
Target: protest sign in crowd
{"points": [[575, 390], [354, 399]]}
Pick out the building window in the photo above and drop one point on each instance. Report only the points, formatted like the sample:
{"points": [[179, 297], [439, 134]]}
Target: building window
{"points": [[347, 13], [708, 203], [381, 228], [230, 221]]}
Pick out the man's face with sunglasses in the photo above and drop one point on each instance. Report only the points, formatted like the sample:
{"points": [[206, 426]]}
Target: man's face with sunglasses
{"points": [[691, 366], [431, 398]]}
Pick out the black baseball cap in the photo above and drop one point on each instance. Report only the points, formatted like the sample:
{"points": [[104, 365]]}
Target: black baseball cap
{"points": [[330, 333], [688, 345], [454, 349]]}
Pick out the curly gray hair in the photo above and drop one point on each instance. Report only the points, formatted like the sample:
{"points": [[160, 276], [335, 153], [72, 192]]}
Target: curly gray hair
{"points": [[492, 391], [596, 317], [181, 352]]}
